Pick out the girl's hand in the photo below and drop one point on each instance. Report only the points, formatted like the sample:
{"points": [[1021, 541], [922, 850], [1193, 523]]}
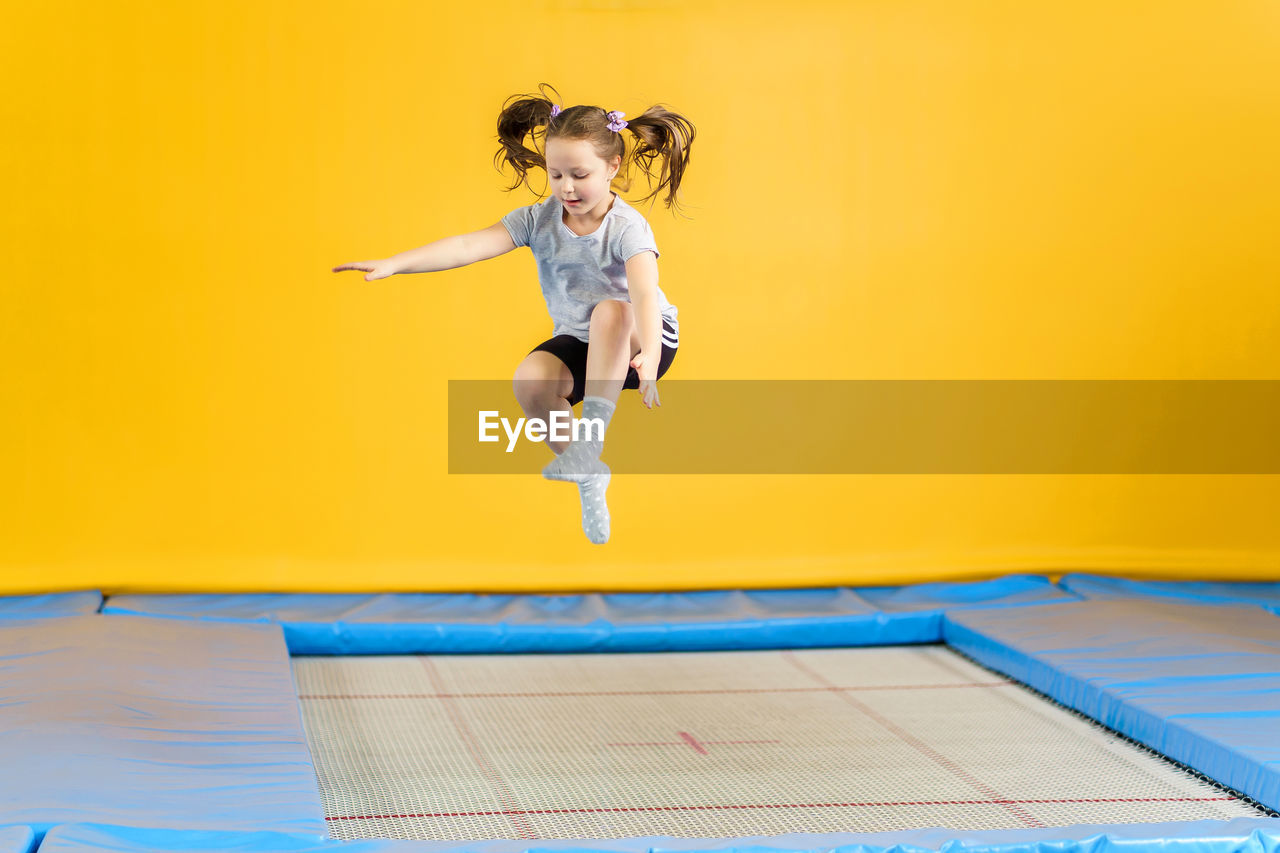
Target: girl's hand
{"points": [[375, 269], [648, 380]]}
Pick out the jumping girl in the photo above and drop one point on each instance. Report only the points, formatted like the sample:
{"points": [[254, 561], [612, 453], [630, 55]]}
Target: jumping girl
{"points": [[597, 263]]}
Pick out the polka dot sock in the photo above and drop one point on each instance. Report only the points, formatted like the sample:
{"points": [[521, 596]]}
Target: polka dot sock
{"points": [[580, 461], [595, 512]]}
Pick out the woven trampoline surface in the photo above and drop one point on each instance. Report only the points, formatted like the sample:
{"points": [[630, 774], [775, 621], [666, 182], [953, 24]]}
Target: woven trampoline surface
{"points": [[718, 744]]}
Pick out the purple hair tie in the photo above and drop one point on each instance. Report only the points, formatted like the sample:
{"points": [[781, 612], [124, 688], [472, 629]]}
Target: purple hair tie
{"points": [[616, 124], [555, 110]]}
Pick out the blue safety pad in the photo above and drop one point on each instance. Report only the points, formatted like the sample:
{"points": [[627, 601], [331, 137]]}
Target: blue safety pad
{"points": [[1243, 835], [1198, 683], [152, 723], [1263, 594], [17, 839], [497, 624], [621, 622], [935, 599], [53, 604], [1008, 591]]}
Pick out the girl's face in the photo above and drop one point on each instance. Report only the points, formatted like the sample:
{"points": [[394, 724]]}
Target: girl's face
{"points": [[579, 178]]}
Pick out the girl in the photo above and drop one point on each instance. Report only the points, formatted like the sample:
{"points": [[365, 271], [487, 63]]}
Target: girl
{"points": [[597, 264]]}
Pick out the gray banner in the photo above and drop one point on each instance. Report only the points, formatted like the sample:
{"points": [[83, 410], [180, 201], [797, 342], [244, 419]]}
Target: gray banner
{"points": [[898, 427]]}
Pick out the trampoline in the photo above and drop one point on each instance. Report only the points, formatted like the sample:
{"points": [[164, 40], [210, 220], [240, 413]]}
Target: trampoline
{"points": [[1014, 714], [710, 745]]}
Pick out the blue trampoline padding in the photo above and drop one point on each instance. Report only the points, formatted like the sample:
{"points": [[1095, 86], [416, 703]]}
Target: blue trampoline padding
{"points": [[152, 723], [1242, 835], [52, 604], [1008, 591], [935, 599], [410, 623], [423, 623], [17, 839], [1264, 594], [1198, 683]]}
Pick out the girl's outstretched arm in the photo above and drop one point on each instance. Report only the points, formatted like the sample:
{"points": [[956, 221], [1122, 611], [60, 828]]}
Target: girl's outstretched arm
{"points": [[444, 254], [642, 283]]}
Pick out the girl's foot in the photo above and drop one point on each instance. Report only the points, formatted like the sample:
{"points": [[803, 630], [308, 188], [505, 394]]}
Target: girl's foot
{"points": [[575, 465], [595, 512], [581, 459]]}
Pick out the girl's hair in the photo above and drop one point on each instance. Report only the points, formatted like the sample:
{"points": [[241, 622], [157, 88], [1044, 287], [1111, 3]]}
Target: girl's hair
{"points": [[659, 134]]}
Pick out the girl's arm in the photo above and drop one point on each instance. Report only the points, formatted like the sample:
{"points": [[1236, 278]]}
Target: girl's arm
{"points": [[444, 254], [642, 284]]}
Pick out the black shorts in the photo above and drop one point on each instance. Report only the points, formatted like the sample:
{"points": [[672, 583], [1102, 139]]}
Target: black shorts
{"points": [[573, 353]]}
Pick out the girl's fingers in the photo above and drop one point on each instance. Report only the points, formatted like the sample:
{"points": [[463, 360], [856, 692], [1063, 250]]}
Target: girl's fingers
{"points": [[650, 394]]}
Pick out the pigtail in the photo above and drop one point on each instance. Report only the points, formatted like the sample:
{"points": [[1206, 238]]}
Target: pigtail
{"points": [[521, 116], [666, 135], [663, 139]]}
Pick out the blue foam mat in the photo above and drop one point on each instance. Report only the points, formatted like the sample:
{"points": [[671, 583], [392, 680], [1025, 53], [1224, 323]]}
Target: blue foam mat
{"points": [[50, 605], [503, 624], [1243, 835], [1008, 591], [1264, 594], [935, 599], [618, 622], [1198, 683], [152, 723], [1163, 673], [17, 839]]}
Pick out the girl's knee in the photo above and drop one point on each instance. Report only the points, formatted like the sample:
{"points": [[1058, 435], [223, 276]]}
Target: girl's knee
{"points": [[529, 370], [611, 312], [541, 377]]}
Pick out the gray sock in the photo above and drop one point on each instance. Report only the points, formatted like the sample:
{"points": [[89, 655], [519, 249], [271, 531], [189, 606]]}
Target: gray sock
{"points": [[581, 458], [595, 512], [596, 408]]}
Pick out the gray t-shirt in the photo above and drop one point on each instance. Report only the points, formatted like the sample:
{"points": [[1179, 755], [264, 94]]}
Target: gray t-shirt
{"points": [[578, 272]]}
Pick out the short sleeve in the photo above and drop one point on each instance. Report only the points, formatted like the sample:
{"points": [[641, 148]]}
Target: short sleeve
{"points": [[520, 223], [637, 238]]}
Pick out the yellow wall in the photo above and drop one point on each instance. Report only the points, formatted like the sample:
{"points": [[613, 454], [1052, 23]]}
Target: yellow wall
{"points": [[880, 189]]}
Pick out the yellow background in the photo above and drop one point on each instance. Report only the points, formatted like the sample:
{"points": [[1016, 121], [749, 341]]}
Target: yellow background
{"points": [[880, 189]]}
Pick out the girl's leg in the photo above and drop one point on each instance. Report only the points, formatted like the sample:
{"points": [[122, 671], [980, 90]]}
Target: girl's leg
{"points": [[615, 340], [543, 385]]}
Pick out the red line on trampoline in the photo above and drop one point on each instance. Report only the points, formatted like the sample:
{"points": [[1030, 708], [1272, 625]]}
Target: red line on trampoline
{"points": [[693, 742], [628, 809], [683, 743], [505, 796], [710, 692], [919, 745]]}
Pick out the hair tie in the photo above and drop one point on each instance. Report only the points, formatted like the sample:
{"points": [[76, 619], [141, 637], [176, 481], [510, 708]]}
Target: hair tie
{"points": [[555, 110], [616, 124]]}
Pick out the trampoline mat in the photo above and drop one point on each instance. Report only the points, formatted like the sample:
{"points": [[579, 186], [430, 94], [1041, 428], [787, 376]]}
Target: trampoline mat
{"points": [[714, 745]]}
